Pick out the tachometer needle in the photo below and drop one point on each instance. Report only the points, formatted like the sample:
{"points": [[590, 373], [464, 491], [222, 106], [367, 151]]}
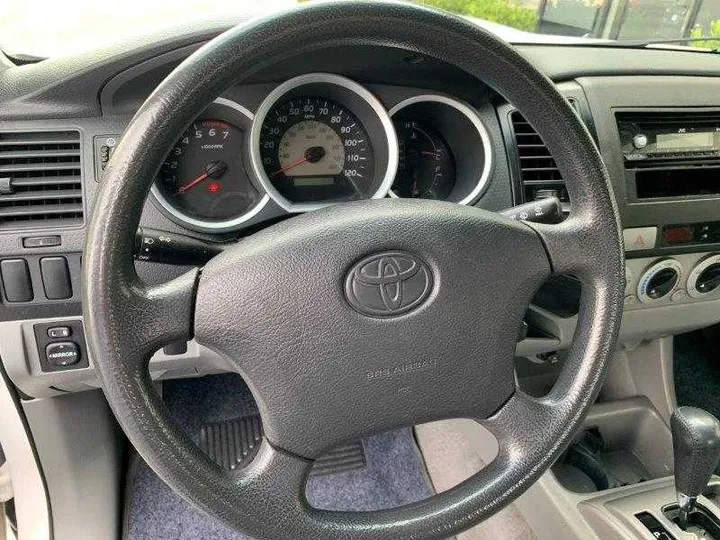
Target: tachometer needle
{"points": [[213, 170], [192, 183]]}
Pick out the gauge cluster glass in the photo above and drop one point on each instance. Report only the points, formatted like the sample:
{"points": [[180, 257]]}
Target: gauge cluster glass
{"points": [[204, 177], [203, 183], [426, 166]]}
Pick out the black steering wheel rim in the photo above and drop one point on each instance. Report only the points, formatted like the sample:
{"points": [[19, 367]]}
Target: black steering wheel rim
{"points": [[128, 321]]}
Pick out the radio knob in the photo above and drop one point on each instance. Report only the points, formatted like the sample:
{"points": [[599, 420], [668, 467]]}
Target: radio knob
{"points": [[640, 141], [659, 280], [705, 277]]}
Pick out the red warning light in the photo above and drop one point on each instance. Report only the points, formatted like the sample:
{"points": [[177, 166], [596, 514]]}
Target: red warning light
{"points": [[213, 187]]}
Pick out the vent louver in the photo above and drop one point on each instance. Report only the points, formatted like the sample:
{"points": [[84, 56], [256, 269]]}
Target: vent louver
{"points": [[40, 179], [539, 174]]}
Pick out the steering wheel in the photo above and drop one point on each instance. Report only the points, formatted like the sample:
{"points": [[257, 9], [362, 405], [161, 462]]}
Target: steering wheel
{"points": [[289, 309]]}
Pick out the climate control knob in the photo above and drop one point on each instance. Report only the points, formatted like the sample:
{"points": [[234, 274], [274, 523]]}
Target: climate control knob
{"points": [[659, 281], [705, 277]]}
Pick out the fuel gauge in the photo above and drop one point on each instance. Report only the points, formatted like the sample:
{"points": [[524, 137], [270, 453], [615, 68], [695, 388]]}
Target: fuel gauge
{"points": [[444, 150], [426, 167]]}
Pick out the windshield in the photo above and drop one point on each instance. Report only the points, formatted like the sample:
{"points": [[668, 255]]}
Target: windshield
{"points": [[39, 28]]}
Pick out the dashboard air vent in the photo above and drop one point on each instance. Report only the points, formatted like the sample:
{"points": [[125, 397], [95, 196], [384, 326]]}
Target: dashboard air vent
{"points": [[539, 173], [40, 179]]}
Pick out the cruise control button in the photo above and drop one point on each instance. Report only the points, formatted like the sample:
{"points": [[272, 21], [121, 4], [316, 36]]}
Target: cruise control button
{"points": [[59, 332], [65, 353]]}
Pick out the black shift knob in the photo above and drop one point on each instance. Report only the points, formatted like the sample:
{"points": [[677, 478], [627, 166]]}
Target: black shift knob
{"points": [[696, 444]]}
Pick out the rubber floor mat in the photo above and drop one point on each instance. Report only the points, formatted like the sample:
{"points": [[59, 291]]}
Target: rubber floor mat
{"points": [[233, 444]]}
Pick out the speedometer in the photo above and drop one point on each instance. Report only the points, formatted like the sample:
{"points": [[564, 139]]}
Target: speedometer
{"points": [[314, 149], [320, 139]]}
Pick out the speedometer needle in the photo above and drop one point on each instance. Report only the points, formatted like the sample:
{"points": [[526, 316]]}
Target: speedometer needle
{"points": [[312, 154]]}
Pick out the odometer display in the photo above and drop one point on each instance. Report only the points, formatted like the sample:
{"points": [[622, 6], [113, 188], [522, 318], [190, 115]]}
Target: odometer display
{"points": [[314, 149]]}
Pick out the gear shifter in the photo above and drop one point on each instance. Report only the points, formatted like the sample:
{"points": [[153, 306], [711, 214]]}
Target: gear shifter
{"points": [[696, 445]]}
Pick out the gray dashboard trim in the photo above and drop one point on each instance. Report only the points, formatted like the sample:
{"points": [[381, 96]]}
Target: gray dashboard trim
{"points": [[66, 87], [562, 62], [80, 447]]}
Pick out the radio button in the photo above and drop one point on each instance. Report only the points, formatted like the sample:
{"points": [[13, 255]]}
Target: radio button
{"points": [[640, 238]]}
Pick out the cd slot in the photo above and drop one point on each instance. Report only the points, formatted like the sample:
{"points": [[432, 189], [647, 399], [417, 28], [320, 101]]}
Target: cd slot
{"points": [[667, 182]]}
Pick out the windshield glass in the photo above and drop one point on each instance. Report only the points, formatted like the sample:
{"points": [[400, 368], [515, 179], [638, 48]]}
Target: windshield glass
{"points": [[42, 28]]}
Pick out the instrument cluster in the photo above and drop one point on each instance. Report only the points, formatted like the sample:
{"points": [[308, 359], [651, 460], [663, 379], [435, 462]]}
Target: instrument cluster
{"points": [[315, 140]]}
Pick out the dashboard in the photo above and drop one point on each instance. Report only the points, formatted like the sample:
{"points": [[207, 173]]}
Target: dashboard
{"points": [[340, 125]]}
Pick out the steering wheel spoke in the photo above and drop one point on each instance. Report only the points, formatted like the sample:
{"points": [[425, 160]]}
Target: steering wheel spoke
{"points": [[157, 315], [515, 424], [164, 313], [568, 244]]}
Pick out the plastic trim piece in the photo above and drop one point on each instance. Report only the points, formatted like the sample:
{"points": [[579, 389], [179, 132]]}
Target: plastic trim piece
{"points": [[29, 489], [323, 78], [203, 224], [484, 179]]}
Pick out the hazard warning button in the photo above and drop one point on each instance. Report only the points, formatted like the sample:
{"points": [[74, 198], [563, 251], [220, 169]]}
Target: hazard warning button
{"points": [[640, 238]]}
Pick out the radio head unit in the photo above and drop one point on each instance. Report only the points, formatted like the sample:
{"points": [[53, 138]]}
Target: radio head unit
{"points": [[669, 135]]}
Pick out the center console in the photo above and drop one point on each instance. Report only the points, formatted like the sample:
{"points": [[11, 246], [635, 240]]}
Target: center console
{"points": [[671, 160], [616, 481]]}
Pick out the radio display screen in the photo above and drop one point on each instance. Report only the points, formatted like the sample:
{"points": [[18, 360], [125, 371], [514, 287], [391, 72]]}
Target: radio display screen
{"points": [[682, 141]]}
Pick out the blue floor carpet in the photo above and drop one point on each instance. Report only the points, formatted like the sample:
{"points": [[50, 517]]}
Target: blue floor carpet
{"points": [[394, 475]]}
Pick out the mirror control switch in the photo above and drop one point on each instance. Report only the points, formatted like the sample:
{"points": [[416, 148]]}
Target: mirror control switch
{"points": [[62, 353]]}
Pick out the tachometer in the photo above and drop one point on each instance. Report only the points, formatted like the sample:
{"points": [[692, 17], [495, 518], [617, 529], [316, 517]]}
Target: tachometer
{"points": [[320, 139], [314, 149], [203, 183]]}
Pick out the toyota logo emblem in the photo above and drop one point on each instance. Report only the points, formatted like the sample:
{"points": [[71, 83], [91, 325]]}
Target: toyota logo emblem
{"points": [[387, 284]]}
